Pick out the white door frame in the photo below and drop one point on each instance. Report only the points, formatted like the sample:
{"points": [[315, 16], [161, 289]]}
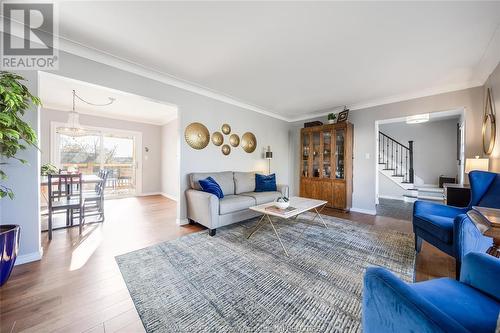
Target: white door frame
{"points": [[54, 146], [456, 112]]}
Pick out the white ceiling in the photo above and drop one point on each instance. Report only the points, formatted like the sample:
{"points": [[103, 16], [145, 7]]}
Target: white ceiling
{"points": [[295, 59], [56, 92]]}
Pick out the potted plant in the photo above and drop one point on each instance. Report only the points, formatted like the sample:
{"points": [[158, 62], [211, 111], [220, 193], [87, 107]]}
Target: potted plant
{"points": [[15, 135], [331, 118], [48, 169]]}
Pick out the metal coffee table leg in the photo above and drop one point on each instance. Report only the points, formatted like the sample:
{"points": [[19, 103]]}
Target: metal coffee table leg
{"points": [[257, 226], [276, 232], [320, 217]]}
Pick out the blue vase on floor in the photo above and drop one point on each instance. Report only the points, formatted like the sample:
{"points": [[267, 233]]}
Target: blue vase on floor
{"points": [[9, 246]]}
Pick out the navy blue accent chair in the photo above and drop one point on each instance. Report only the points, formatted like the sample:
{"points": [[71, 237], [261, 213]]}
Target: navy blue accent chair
{"points": [[440, 305], [448, 228]]}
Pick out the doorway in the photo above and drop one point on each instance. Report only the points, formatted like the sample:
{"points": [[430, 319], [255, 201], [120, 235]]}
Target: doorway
{"points": [[101, 149]]}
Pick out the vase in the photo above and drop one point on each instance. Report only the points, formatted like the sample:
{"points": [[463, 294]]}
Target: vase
{"points": [[9, 246], [331, 121]]}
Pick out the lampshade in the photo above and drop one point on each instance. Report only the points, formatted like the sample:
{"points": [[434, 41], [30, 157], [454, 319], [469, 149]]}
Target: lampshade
{"points": [[269, 153], [476, 163]]}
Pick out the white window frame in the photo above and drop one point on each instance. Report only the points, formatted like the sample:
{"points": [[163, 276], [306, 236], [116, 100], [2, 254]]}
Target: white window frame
{"points": [[55, 155]]}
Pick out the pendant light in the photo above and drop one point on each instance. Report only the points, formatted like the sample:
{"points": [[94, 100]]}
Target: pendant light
{"points": [[72, 127]]}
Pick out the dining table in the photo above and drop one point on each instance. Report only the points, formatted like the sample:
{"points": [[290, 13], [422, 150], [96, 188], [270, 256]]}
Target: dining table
{"points": [[86, 179]]}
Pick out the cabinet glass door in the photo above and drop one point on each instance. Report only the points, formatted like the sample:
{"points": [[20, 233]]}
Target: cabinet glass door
{"points": [[339, 154], [305, 154], [327, 154], [316, 154]]}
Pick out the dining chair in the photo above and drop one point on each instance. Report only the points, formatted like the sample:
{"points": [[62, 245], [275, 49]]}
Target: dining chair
{"points": [[64, 193], [93, 201]]}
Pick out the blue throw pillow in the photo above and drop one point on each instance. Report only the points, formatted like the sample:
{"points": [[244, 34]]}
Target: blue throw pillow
{"points": [[265, 183], [209, 185]]}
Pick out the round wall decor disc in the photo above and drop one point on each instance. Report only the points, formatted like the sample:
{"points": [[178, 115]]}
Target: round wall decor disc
{"points": [[248, 142], [234, 140], [226, 150], [197, 135], [226, 129], [217, 138]]}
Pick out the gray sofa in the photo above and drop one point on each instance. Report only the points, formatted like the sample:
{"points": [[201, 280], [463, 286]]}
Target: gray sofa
{"points": [[239, 194]]}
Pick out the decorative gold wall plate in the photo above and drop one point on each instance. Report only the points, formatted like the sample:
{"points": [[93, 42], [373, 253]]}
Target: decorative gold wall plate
{"points": [[226, 129], [197, 135], [489, 129], [217, 138], [226, 150], [234, 140], [248, 142]]}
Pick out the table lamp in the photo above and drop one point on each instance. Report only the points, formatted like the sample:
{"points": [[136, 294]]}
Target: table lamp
{"points": [[476, 163]]}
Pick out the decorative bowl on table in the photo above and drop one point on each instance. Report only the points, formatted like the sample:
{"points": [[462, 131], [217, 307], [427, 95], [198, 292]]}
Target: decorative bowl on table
{"points": [[282, 203]]}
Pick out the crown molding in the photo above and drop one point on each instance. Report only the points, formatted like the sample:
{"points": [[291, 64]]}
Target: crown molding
{"points": [[390, 100], [484, 68], [87, 52]]}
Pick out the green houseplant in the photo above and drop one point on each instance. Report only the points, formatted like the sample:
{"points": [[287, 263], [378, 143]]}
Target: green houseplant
{"points": [[15, 134], [331, 118]]}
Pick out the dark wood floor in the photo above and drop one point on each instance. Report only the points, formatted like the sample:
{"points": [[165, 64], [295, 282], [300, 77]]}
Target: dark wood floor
{"points": [[77, 286]]}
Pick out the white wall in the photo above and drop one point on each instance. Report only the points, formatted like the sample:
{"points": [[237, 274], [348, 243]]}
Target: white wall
{"points": [[151, 138], [170, 160], [494, 84], [364, 173], [389, 189], [434, 147]]}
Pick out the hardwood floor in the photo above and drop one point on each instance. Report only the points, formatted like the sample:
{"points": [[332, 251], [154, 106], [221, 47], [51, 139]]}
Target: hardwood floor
{"points": [[77, 286]]}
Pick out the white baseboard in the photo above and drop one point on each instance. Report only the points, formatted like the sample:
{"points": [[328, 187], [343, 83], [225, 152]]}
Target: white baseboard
{"points": [[364, 211], [145, 194], [29, 257], [171, 197], [391, 197], [183, 221]]}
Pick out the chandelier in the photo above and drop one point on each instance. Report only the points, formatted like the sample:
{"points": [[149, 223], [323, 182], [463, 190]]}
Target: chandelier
{"points": [[72, 127]]}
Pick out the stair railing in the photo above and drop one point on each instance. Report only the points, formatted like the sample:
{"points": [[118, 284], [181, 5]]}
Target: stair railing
{"points": [[396, 157]]}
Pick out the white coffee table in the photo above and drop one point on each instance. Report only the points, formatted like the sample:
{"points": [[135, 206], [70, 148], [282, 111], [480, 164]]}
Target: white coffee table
{"points": [[300, 204]]}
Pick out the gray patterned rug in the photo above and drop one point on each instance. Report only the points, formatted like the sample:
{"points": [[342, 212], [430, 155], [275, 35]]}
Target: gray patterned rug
{"points": [[228, 283]]}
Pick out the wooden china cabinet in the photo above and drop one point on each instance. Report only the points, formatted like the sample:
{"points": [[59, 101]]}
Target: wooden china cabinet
{"points": [[326, 164]]}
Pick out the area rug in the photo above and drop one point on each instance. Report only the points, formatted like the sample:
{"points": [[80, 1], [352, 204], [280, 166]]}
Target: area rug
{"points": [[229, 283]]}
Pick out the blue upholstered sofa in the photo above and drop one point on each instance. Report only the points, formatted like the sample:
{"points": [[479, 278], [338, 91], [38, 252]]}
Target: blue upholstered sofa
{"points": [[448, 228], [440, 305]]}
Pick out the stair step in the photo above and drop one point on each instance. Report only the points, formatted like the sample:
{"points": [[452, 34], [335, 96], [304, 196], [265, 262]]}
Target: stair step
{"points": [[431, 189], [398, 175], [409, 183], [381, 163], [388, 169], [426, 197]]}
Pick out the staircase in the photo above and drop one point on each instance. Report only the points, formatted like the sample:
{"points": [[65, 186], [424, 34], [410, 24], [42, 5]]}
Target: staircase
{"points": [[395, 162]]}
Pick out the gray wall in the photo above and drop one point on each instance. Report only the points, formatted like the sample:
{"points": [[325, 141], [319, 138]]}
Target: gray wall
{"points": [[494, 84], [170, 159], [435, 147], [364, 172], [24, 210], [151, 138]]}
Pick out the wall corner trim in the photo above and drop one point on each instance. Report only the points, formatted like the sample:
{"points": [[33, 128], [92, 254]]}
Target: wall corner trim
{"points": [[29, 257], [171, 197], [364, 211]]}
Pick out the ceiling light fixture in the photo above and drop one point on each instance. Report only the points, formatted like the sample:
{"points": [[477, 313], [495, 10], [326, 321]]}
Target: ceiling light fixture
{"points": [[418, 119], [72, 127]]}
